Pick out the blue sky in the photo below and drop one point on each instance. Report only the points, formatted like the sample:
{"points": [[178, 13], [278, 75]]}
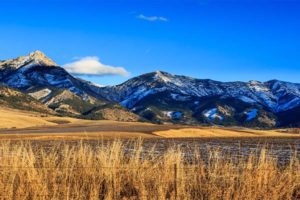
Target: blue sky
{"points": [[216, 39]]}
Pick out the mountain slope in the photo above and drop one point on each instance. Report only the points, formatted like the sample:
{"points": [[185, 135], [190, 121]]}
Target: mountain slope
{"points": [[275, 95], [15, 99], [163, 97], [45, 81], [35, 71], [290, 118]]}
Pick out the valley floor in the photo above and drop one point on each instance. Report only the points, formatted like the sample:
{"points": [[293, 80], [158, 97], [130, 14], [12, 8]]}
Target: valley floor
{"points": [[15, 124]]}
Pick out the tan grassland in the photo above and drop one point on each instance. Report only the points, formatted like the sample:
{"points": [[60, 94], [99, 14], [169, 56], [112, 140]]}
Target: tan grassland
{"points": [[10, 118], [108, 172]]}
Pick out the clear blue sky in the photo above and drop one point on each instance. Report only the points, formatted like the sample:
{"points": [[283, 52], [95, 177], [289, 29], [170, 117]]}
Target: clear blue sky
{"points": [[222, 40]]}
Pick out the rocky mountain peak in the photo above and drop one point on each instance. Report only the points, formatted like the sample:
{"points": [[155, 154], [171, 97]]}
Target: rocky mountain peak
{"points": [[33, 59], [40, 58], [37, 53], [162, 73], [165, 77]]}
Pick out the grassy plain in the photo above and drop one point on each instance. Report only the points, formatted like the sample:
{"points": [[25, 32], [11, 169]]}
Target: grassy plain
{"points": [[109, 171]]}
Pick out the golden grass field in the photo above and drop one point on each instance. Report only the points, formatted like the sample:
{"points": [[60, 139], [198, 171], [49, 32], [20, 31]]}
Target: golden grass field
{"points": [[40, 160], [107, 171]]}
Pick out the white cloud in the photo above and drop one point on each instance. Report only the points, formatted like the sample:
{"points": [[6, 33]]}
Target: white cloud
{"points": [[152, 18], [91, 65]]}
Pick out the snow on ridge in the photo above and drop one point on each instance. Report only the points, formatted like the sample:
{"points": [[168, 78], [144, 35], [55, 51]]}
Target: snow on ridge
{"points": [[160, 75], [97, 85], [258, 86], [168, 79], [183, 88]]}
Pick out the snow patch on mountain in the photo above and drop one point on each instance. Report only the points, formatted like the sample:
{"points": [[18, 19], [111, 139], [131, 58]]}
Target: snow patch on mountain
{"points": [[290, 104], [258, 86], [177, 115], [179, 97], [247, 99], [168, 113], [77, 91], [173, 114], [212, 114], [251, 114], [52, 79], [18, 81], [135, 97]]}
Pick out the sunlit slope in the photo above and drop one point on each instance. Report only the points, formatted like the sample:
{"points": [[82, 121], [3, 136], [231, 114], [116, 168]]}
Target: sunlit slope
{"points": [[11, 118]]}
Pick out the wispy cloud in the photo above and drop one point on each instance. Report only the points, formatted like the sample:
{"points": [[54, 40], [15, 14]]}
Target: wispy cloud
{"points": [[91, 65], [152, 18]]}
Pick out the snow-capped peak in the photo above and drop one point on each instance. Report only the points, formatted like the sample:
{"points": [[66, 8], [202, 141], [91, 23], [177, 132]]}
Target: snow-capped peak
{"points": [[40, 58], [33, 59], [37, 53]]}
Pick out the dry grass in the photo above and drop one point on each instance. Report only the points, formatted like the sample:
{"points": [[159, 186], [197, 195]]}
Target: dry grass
{"points": [[76, 136], [108, 171], [215, 132], [20, 119], [205, 132], [11, 118]]}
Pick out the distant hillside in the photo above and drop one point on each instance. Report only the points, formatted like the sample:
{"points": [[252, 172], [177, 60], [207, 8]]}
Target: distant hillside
{"points": [[162, 97]]}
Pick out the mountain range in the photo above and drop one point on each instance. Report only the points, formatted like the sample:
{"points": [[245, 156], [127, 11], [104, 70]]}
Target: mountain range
{"points": [[158, 97]]}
